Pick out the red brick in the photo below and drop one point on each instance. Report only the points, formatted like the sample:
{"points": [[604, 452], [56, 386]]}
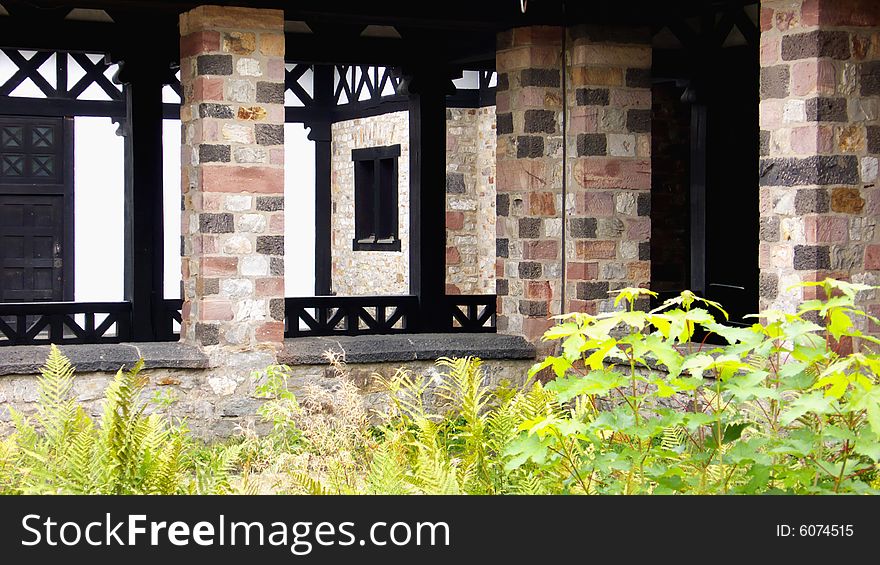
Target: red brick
{"points": [[215, 310], [453, 257], [585, 306], [584, 119], [857, 13], [452, 289], [270, 332], [536, 97], [812, 139], [595, 204], [521, 174], [542, 204], [454, 220], [270, 286], [826, 229], [872, 257], [811, 76], [766, 19], [534, 328], [633, 98], [613, 172], [537, 35], [207, 88], [596, 249], [547, 249], [538, 290], [214, 266], [499, 269], [638, 229], [264, 180], [199, 42], [582, 271]]}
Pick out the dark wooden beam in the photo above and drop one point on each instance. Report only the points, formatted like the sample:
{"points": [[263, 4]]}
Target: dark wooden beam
{"points": [[321, 134], [144, 76], [427, 87]]}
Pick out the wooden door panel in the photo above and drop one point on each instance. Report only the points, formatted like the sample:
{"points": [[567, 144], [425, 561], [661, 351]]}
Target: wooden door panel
{"points": [[31, 231], [35, 227]]}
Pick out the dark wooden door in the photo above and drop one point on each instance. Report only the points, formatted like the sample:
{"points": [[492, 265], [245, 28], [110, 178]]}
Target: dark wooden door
{"points": [[31, 248], [36, 212]]}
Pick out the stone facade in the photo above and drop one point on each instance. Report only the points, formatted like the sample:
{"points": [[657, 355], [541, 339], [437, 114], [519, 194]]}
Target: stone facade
{"points": [[529, 165], [608, 201], [232, 74], [470, 205], [369, 273], [216, 404], [551, 257], [820, 142], [470, 200]]}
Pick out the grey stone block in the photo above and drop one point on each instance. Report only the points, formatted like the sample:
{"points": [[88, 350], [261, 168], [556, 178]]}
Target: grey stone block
{"points": [[404, 347], [592, 144], [270, 92], [592, 96], [539, 77], [214, 64]]}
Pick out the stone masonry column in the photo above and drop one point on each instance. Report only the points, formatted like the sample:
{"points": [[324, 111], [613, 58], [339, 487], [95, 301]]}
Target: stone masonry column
{"points": [[820, 141], [608, 196], [232, 73], [529, 180]]}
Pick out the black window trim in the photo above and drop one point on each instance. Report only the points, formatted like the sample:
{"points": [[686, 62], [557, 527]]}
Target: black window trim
{"points": [[377, 154]]}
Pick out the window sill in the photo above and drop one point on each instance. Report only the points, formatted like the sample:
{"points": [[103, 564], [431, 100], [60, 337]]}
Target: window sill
{"points": [[357, 245]]}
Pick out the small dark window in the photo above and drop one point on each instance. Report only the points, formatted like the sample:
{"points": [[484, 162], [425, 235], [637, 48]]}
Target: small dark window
{"points": [[375, 199]]}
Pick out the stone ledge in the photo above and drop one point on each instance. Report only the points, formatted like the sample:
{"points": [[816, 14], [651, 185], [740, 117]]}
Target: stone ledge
{"points": [[27, 359], [404, 347]]}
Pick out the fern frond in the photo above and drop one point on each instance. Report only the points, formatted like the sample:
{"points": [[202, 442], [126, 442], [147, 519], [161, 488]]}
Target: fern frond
{"points": [[308, 485]]}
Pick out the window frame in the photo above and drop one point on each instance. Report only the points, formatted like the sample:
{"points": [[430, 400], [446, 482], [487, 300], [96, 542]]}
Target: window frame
{"points": [[368, 164]]}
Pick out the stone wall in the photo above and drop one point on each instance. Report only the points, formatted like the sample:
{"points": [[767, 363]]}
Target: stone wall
{"points": [[367, 272], [820, 142], [554, 256], [470, 204], [470, 200], [217, 401]]}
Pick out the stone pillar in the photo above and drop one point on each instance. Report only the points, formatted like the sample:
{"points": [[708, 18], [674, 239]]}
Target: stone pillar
{"points": [[529, 179], [608, 193], [232, 73], [600, 161], [820, 140]]}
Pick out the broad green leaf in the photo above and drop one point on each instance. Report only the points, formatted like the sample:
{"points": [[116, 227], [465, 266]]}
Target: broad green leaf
{"points": [[812, 402], [664, 353], [562, 330], [527, 448], [596, 383], [734, 334], [840, 324], [869, 401], [595, 360]]}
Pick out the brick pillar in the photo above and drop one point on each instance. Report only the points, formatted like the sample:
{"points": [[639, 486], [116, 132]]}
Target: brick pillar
{"points": [[820, 140], [232, 72], [529, 179], [608, 225]]}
